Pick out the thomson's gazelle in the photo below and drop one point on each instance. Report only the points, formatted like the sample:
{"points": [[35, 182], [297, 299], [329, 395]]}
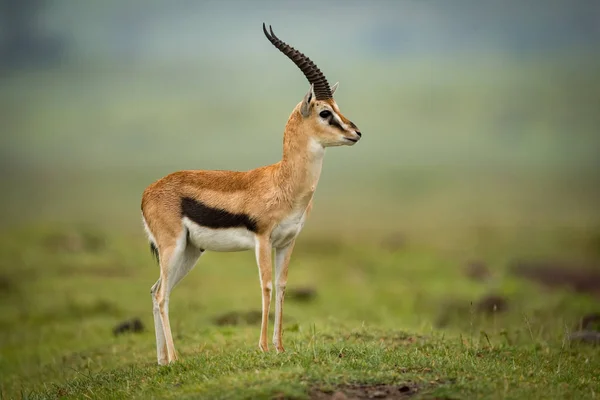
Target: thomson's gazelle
{"points": [[264, 209]]}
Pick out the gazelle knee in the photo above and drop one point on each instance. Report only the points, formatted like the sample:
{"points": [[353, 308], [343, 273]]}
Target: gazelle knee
{"points": [[154, 288], [161, 303], [267, 289], [159, 300], [156, 306]]}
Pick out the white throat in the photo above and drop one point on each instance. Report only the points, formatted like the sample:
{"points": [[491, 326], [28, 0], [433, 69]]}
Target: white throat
{"points": [[316, 153]]}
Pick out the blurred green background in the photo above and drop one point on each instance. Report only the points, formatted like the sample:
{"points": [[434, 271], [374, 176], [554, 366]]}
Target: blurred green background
{"points": [[474, 115], [479, 163]]}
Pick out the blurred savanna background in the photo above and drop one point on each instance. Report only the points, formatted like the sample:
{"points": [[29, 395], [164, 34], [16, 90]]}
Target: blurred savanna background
{"points": [[470, 208]]}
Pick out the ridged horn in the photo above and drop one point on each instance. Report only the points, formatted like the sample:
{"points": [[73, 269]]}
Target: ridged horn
{"points": [[308, 68]]}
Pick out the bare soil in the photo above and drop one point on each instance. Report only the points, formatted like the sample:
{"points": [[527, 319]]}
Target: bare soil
{"points": [[301, 294], [578, 278], [358, 391]]}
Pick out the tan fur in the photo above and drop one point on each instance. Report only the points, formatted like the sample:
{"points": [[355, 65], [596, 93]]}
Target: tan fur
{"points": [[267, 194]]}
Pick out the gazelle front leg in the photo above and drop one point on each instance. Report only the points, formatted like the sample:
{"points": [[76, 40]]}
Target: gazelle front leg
{"points": [[263, 259], [282, 260]]}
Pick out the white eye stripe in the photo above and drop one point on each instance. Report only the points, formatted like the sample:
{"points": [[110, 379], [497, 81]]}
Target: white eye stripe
{"points": [[338, 120]]}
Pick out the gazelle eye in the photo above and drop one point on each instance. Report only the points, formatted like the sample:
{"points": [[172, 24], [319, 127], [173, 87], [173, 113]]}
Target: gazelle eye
{"points": [[325, 114]]}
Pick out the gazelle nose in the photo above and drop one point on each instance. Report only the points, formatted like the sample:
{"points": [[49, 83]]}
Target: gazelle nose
{"points": [[358, 133]]}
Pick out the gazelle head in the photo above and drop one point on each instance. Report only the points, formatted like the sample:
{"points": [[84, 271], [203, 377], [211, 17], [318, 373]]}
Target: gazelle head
{"points": [[319, 111]]}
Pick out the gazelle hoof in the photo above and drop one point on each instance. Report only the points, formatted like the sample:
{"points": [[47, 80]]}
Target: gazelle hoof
{"points": [[163, 361], [264, 347]]}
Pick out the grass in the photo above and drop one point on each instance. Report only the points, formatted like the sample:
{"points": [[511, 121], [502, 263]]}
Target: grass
{"points": [[375, 319], [459, 165]]}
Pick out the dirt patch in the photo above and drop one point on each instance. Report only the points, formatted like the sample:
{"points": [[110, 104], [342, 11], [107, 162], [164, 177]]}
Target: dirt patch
{"points": [[587, 330], [348, 392], [554, 275], [301, 294], [590, 322], [589, 337], [252, 317], [477, 271], [133, 325], [491, 304]]}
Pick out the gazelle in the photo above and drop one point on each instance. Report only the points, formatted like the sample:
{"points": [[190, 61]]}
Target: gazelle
{"points": [[264, 209]]}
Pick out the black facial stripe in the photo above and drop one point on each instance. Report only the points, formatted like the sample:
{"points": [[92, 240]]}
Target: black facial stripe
{"points": [[334, 122], [214, 217]]}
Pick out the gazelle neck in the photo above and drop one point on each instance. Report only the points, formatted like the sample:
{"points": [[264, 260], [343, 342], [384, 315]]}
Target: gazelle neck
{"points": [[300, 167]]}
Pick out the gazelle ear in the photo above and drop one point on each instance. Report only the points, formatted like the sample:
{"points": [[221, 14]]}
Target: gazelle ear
{"points": [[334, 87], [305, 107]]}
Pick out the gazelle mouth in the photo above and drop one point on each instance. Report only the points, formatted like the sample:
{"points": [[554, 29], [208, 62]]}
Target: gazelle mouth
{"points": [[352, 140]]}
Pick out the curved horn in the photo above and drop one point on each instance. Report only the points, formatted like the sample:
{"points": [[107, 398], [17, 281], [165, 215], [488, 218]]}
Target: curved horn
{"points": [[308, 68]]}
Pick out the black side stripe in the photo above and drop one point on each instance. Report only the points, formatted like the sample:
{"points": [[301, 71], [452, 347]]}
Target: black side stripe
{"points": [[214, 217]]}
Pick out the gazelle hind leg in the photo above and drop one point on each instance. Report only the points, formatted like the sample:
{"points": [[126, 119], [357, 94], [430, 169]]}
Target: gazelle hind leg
{"points": [[161, 344], [178, 261]]}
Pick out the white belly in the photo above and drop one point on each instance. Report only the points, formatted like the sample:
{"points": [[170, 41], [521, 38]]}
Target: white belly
{"points": [[229, 239], [288, 229]]}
